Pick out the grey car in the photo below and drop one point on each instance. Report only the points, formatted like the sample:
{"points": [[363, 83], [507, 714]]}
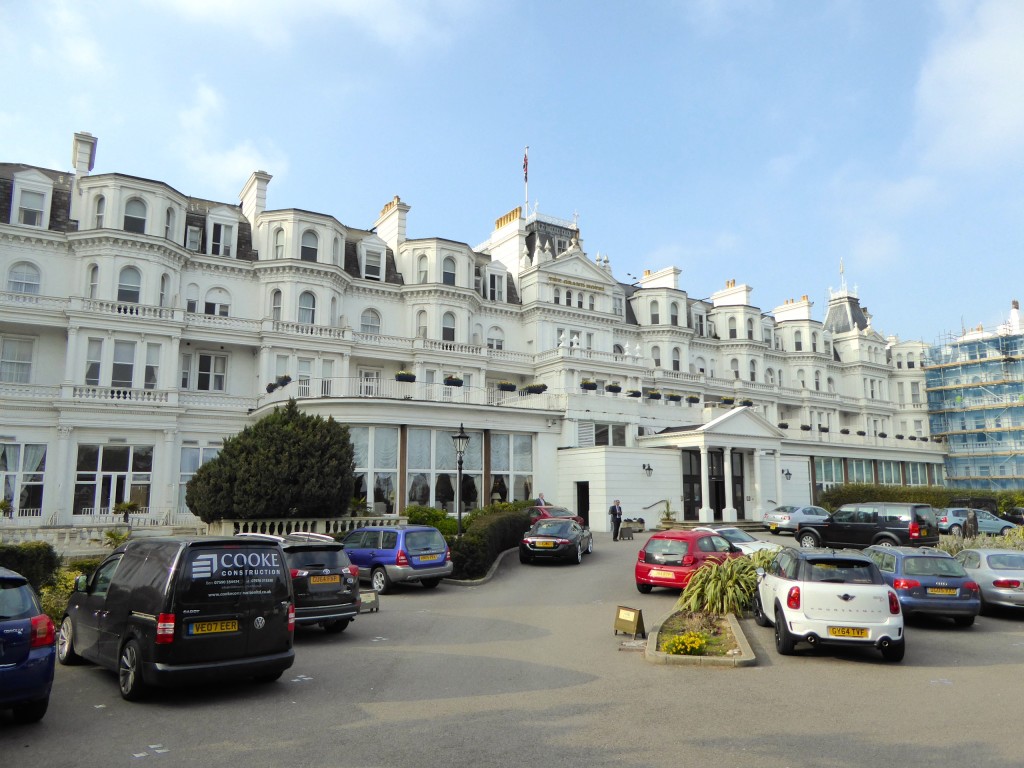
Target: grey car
{"points": [[786, 519], [999, 573]]}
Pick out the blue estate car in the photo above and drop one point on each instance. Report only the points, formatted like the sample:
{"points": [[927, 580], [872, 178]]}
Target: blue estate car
{"points": [[27, 649], [953, 521], [386, 554], [928, 581]]}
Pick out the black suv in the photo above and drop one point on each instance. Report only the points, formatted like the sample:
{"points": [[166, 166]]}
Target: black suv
{"points": [[886, 524], [183, 610], [324, 581]]}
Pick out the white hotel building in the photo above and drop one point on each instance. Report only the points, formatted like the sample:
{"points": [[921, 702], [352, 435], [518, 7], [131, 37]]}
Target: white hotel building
{"points": [[140, 326]]}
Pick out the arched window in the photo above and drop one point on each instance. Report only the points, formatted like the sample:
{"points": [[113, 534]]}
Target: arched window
{"points": [[831, 385], [93, 288], [734, 366], [278, 243], [817, 381], [165, 287], [23, 278], [495, 338], [732, 327], [192, 298], [591, 302], [910, 360], [676, 360], [769, 376], [448, 271], [655, 313], [421, 323], [135, 216], [98, 211], [217, 302], [332, 318], [750, 329], [307, 308], [801, 378], [656, 354], [336, 252], [753, 370], [129, 285], [558, 296], [617, 349], [310, 246], [169, 224], [568, 298], [369, 322], [673, 313], [448, 327], [798, 341], [422, 269], [814, 342], [699, 366], [275, 305]]}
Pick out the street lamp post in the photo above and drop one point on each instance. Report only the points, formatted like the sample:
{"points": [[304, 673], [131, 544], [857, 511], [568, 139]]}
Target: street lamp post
{"points": [[461, 441]]}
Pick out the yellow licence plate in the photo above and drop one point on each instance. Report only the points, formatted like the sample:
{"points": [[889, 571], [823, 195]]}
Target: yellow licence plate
{"points": [[848, 632], [773, 526], [659, 574], [544, 544], [212, 627], [940, 591], [428, 558], [329, 579]]}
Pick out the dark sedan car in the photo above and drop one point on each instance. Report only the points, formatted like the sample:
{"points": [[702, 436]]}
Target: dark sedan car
{"points": [[556, 539]]}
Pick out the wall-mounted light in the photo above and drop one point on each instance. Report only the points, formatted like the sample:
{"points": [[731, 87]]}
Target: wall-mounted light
{"points": [[648, 469], [787, 474]]}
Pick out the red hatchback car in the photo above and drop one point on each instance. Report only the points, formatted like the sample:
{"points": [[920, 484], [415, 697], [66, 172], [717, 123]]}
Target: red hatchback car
{"points": [[670, 558], [536, 513]]}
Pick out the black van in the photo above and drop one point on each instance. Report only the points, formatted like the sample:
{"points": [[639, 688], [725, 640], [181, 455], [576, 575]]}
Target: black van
{"points": [[162, 611]]}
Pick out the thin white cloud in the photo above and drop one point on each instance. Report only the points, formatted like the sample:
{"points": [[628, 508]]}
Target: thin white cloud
{"points": [[221, 169], [970, 96], [875, 249]]}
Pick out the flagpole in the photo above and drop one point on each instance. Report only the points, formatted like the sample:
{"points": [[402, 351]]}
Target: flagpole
{"points": [[526, 179]]}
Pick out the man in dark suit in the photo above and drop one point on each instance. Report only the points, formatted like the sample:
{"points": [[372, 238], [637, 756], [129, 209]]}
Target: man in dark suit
{"points": [[616, 512]]}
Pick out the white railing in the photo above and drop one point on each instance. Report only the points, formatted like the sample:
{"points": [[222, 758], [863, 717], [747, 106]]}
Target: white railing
{"points": [[128, 309], [120, 393], [33, 300]]}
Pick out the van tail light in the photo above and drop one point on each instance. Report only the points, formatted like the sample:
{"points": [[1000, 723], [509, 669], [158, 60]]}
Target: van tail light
{"points": [[42, 631], [906, 584], [894, 604], [972, 586], [296, 573], [1006, 583], [165, 628], [402, 558], [291, 617], [915, 530], [793, 598], [689, 560]]}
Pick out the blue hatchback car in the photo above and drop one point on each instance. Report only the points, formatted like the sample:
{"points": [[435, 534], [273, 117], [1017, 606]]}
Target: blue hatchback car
{"points": [[928, 581], [387, 554], [27, 649]]}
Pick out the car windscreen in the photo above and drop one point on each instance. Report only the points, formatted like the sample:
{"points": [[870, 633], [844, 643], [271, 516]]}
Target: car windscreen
{"points": [[551, 528], [424, 541], [321, 557], [666, 551], [1007, 562], [932, 566], [842, 571], [735, 534], [924, 516], [559, 512], [232, 573], [17, 600]]}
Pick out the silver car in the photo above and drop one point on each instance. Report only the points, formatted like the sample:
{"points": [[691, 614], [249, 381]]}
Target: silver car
{"points": [[787, 519], [740, 538], [999, 573]]}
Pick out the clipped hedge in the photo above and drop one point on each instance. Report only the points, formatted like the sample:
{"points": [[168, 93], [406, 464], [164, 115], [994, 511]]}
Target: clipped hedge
{"points": [[935, 495], [486, 537], [37, 561]]}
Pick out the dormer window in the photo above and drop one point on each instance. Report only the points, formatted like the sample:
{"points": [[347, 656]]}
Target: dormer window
{"points": [[30, 208], [169, 224], [194, 238], [31, 197], [617, 306], [221, 244], [496, 286], [135, 216], [372, 265]]}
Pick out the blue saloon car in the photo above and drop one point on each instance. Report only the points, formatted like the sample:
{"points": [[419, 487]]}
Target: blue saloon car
{"points": [[928, 581], [27, 649]]}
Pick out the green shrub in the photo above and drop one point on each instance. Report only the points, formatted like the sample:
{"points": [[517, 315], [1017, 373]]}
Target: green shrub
{"points": [[37, 561], [953, 544], [937, 496], [55, 596], [490, 535], [686, 644], [720, 588]]}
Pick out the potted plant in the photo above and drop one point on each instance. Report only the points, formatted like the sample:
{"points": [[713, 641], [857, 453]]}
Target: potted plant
{"points": [[883, 434], [673, 398], [805, 427], [452, 381], [405, 376], [588, 384], [822, 428], [506, 386], [746, 402], [861, 433], [6, 510], [271, 387], [284, 380], [535, 389], [634, 393], [912, 437], [783, 425], [728, 400], [844, 431], [899, 437], [653, 394], [613, 387], [692, 399]]}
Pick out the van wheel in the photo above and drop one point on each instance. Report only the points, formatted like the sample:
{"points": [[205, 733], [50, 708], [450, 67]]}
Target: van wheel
{"points": [[379, 581], [808, 540], [66, 643], [129, 672], [430, 583], [885, 543], [334, 627]]}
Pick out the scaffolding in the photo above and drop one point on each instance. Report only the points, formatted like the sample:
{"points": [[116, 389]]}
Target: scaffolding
{"points": [[975, 389]]}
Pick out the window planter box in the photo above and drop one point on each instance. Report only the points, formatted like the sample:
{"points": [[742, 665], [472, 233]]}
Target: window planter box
{"points": [[634, 393], [451, 381], [692, 399], [805, 427], [728, 400], [822, 429], [783, 425], [588, 385], [613, 388], [673, 398], [654, 395], [883, 434], [912, 437], [405, 377], [747, 403], [899, 437], [535, 389], [283, 381], [506, 386], [861, 433], [844, 431]]}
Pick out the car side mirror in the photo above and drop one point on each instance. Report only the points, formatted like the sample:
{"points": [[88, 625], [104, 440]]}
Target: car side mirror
{"points": [[734, 548], [759, 572], [81, 582]]}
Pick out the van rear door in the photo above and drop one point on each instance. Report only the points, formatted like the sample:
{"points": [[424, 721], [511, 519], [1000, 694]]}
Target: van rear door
{"points": [[231, 601]]}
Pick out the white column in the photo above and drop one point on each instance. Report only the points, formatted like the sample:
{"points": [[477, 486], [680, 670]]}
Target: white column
{"points": [[757, 511], [172, 456], [778, 478], [706, 514], [729, 513], [62, 471]]}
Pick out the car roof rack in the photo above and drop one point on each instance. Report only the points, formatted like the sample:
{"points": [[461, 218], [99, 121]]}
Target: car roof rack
{"points": [[263, 536], [309, 536]]}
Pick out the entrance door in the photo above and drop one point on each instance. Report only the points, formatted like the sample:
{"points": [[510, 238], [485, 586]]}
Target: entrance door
{"points": [[583, 501]]}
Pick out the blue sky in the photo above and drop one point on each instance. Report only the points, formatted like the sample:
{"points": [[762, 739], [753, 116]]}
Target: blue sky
{"points": [[750, 140]]}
